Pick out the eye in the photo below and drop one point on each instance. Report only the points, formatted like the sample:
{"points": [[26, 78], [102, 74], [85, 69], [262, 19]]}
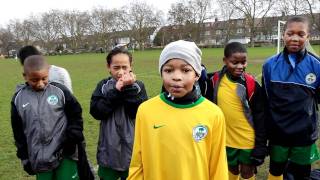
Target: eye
{"points": [[167, 70], [289, 34], [302, 34], [186, 70]]}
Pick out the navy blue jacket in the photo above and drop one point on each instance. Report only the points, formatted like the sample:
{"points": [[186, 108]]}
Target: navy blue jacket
{"points": [[291, 98]]}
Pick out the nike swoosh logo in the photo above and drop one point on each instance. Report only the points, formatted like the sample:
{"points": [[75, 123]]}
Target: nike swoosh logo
{"points": [[74, 176], [25, 105], [156, 127]]}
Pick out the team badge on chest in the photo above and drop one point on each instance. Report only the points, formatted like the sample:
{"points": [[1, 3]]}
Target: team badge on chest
{"points": [[199, 132], [311, 78], [52, 100]]}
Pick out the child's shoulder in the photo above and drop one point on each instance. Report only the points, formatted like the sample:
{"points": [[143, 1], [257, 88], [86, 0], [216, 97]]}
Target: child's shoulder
{"points": [[273, 58], [210, 105], [152, 101]]}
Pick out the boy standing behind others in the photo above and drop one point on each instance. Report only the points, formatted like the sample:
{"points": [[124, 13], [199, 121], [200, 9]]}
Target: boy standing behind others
{"points": [[115, 102], [179, 134], [56, 74], [47, 124], [291, 81], [239, 96]]}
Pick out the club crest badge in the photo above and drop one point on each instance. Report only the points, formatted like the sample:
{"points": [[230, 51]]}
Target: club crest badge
{"points": [[52, 100], [311, 78], [199, 132]]}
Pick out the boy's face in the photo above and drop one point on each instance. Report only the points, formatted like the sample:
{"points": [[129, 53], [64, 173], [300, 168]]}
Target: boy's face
{"points": [[120, 65], [295, 36], [178, 77], [236, 63], [38, 80]]}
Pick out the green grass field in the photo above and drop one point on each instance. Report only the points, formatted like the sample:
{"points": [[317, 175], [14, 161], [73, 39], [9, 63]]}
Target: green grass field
{"points": [[86, 70]]}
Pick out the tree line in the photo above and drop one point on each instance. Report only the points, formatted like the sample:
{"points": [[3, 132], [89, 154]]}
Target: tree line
{"points": [[96, 28]]}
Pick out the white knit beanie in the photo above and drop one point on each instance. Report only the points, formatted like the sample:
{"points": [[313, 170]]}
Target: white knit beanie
{"points": [[181, 49]]}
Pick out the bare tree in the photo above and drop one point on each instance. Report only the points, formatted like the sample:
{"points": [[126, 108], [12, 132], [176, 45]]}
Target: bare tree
{"points": [[251, 10], [201, 11], [6, 40], [75, 26], [299, 7], [315, 17], [22, 31], [47, 29], [102, 22], [227, 12], [141, 19], [178, 16]]}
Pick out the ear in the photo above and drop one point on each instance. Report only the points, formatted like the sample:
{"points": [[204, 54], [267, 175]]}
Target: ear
{"points": [[225, 60], [24, 75], [197, 77]]}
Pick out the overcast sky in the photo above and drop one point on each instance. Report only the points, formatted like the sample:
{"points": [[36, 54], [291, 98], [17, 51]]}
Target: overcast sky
{"points": [[22, 9]]}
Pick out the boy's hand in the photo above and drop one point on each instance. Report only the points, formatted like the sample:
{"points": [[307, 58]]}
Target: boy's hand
{"points": [[119, 84], [129, 78], [257, 161], [126, 79]]}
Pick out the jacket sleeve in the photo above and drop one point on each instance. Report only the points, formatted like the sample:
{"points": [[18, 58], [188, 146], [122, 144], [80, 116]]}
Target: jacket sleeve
{"points": [[136, 165], [103, 103], [209, 91], [66, 78], [133, 96], [218, 167], [257, 108], [18, 133], [73, 111]]}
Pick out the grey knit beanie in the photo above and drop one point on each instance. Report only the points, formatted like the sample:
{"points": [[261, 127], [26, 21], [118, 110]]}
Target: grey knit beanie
{"points": [[181, 49]]}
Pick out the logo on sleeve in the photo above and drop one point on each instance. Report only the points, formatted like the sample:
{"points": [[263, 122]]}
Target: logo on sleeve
{"points": [[311, 78], [199, 132], [52, 100], [25, 105]]}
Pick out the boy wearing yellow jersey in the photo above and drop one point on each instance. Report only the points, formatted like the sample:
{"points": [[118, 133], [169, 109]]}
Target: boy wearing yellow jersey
{"points": [[179, 134], [239, 96]]}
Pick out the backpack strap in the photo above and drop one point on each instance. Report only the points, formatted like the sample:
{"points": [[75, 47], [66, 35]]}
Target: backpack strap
{"points": [[215, 78], [251, 85]]}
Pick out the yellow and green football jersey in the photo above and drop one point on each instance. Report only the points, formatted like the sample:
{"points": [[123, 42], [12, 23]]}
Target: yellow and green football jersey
{"points": [[179, 141]]}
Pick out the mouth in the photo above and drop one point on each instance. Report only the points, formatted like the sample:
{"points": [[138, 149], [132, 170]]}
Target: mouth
{"points": [[176, 88], [238, 72], [294, 46]]}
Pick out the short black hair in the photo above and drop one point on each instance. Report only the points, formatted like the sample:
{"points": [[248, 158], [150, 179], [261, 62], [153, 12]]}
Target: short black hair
{"points": [[301, 19], [35, 63], [234, 47], [118, 50], [27, 51]]}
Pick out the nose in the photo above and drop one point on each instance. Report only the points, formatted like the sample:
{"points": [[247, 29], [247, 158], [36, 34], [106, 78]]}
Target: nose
{"points": [[121, 72], [295, 38], [239, 66], [40, 84], [177, 76]]}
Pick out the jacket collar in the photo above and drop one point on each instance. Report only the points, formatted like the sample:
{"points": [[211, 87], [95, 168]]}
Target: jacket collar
{"points": [[189, 98], [300, 55]]}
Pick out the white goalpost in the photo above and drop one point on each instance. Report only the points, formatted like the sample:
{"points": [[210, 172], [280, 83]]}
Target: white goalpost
{"points": [[279, 35]]}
